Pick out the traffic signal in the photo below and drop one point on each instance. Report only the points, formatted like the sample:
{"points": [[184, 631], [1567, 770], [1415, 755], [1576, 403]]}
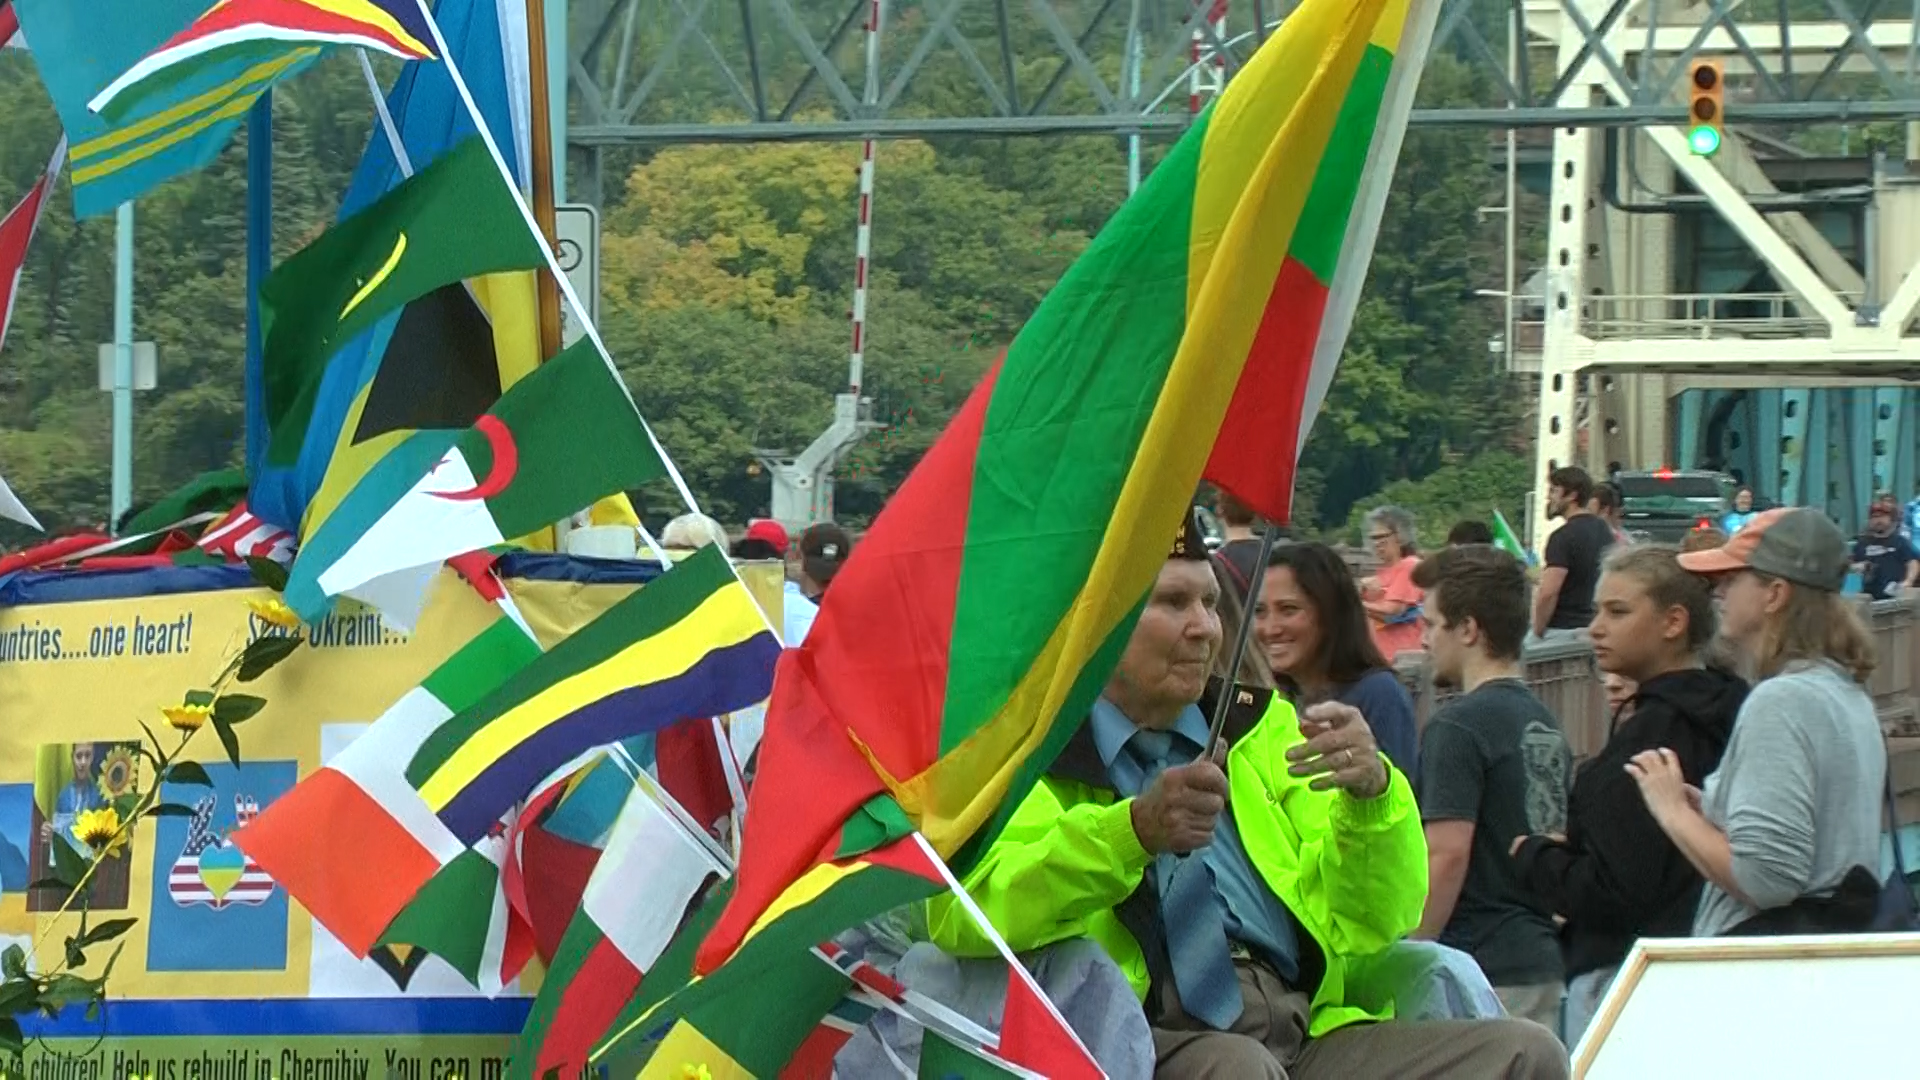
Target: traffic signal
{"points": [[1706, 106]]}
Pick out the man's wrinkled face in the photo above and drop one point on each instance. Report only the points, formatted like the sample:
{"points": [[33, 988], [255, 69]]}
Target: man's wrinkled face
{"points": [[1170, 655]]}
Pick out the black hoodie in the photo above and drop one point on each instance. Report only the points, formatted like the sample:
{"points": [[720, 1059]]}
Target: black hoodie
{"points": [[1618, 878]]}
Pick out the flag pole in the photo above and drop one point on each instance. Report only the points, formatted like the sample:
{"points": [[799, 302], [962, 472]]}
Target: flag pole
{"points": [[544, 196], [1259, 576], [122, 478], [540, 148], [259, 264]]}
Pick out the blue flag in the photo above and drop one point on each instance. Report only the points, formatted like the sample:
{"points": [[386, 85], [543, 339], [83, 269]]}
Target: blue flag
{"points": [[81, 47]]}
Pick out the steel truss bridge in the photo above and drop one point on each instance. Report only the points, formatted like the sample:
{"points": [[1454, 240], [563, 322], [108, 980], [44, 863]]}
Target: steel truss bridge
{"points": [[1028, 67]]}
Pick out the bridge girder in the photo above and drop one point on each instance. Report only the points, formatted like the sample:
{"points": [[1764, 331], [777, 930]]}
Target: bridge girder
{"points": [[791, 68]]}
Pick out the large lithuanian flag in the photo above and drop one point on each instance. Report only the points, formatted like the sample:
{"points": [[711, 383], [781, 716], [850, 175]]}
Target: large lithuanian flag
{"points": [[977, 621]]}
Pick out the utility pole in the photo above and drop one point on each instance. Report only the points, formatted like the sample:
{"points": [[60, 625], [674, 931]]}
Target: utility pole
{"points": [[122, 498]]}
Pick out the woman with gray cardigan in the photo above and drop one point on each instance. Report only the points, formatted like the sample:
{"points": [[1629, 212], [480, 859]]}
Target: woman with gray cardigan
{"points": [[1787, 829]]}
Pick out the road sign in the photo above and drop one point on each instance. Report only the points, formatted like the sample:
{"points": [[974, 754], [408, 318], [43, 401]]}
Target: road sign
{"points": [[577, 230], [145, 366]]}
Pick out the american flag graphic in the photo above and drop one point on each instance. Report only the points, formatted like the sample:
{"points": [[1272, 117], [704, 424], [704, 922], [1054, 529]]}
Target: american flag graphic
{"points": [[240, 535], [210, 870]]}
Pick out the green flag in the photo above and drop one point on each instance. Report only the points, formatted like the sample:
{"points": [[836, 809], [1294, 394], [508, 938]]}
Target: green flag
{"points": [[201, 499], [454, 220], [1507, 540]]}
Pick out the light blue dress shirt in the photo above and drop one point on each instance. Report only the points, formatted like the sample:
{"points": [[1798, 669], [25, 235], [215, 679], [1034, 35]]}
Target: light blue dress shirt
{"points": [[1251, 913]]}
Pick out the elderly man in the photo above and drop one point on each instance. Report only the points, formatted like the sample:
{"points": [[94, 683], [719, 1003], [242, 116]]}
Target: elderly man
{"points": [[1235, 929]]}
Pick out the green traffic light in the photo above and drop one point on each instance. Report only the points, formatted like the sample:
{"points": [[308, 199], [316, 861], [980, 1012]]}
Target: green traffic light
{"points": [[1703, 140]]}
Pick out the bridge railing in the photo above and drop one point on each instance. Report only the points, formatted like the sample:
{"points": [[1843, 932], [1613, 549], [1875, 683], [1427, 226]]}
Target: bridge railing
{"points": [[1699, 316]]}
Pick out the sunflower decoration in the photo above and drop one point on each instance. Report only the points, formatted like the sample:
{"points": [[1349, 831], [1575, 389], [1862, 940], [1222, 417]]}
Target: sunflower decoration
{"points": [[100, 831], [187, 717], [274, 612], [119, 773]]}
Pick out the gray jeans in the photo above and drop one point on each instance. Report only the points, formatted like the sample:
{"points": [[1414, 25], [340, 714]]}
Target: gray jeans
{"points": [[1584, 993]]}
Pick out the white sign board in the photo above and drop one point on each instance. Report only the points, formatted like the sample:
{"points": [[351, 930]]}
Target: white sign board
{"points": [[577, 232], [145, 366], [1758, 1008]]}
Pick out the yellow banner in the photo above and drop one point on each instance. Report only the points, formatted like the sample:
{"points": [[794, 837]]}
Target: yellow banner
{"points": [[78, 678]]}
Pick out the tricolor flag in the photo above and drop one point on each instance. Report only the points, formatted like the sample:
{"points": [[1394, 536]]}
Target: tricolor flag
{"points": [[652, 870], [354, 842], [17, 228], [1176, 325], [1293, 341], [257, 32], [690, 643]]}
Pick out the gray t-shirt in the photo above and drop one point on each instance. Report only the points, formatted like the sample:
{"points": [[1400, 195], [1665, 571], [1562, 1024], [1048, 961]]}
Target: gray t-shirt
{"points": [[1798, 792], [1496, 757]]}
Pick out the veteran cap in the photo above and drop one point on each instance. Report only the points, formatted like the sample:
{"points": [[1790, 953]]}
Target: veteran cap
{"points": [[1191, 543]]}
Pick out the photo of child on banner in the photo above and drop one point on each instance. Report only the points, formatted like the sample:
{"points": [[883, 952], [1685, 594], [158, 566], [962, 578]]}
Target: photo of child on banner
{"points": [[70, 779]]}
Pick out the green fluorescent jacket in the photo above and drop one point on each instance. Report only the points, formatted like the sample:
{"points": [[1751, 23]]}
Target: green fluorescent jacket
{"points": [[1068, 864]]}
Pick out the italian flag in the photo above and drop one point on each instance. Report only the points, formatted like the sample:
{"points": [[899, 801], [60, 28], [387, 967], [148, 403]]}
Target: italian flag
{"points": [[1195, 336], [560, 440], [354, 842]]}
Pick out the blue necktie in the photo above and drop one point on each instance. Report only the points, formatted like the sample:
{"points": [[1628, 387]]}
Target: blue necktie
{"points": [[1203, 973]]}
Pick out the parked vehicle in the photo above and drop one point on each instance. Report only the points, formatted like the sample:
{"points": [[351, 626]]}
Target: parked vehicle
{"points": [[1664, 505]]}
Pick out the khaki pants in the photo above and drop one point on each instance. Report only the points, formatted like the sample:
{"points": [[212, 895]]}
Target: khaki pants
{"points": [[1269, 1042], [1538, 1002]]}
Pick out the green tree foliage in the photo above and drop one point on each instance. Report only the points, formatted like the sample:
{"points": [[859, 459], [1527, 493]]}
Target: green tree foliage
{"points": [[1470, 489], [189, 298]]}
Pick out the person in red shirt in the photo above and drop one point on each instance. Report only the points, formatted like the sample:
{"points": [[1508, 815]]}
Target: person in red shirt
{"points": [[1391, 598]]}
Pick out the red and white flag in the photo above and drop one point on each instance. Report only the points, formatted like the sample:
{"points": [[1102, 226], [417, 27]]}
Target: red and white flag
{"points": [[16, 229], [9, 25], [240, 535]]}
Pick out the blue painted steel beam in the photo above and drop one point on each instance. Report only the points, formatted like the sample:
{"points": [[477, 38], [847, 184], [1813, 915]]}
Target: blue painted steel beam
{"points": [[1832, 448]]}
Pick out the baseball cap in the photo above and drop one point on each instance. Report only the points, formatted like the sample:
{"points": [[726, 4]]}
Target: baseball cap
{"points": [[823, 548], [771, 532], [1791, 543]]}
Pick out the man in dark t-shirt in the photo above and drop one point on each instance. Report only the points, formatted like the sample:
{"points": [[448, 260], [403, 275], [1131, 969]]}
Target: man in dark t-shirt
{"points": [[1563, 599], [1887, 561], [1494, 765]]}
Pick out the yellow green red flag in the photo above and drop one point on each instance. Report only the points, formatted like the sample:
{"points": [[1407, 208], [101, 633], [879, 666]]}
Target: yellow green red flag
{"points": [[1195, 336]]}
